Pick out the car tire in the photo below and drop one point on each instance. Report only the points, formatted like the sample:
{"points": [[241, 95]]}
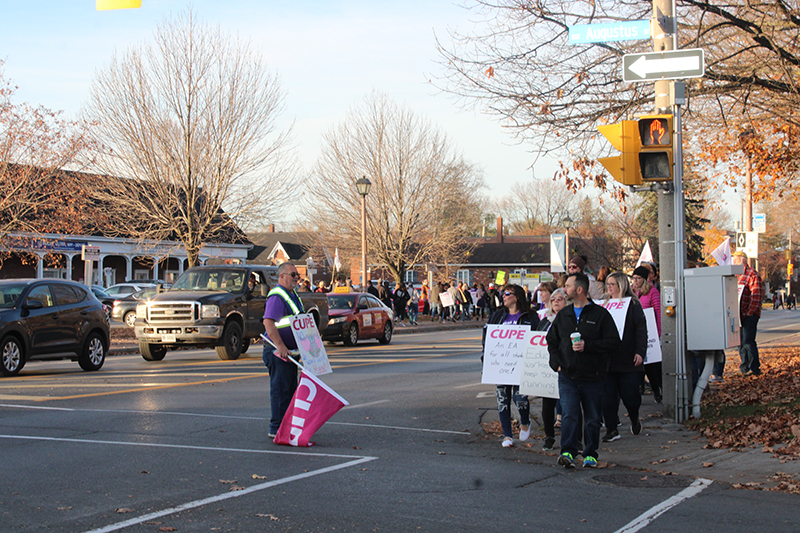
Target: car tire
{"points": [[13, 356], [229, 347], [130, 318], [93, 354], [387, 334], [351, 336], [152, 352], [245, 345]]}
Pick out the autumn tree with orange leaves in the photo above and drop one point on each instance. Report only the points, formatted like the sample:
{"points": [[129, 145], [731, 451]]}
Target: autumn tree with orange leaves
{"points": [[37, 195], [519, 66]]}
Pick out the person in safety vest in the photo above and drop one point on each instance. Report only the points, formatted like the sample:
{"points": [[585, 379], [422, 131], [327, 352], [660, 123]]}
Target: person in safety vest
{"points": [[282, 303]]}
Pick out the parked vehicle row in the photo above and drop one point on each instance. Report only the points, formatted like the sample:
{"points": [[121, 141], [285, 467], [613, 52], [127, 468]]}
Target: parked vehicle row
{"points": [[355, 316]]}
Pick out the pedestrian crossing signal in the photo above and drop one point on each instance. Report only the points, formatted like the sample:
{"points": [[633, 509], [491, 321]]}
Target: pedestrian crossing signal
{"points": [[655, 154]]}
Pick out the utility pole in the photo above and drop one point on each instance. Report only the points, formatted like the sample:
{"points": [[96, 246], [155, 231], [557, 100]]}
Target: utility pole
{"points": [[671, 234]]}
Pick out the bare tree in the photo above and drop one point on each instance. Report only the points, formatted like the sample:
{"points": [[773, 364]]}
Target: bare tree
{"points": [[520, 66], [537, 207], [189, 123], [36, 195], [423, 198]]}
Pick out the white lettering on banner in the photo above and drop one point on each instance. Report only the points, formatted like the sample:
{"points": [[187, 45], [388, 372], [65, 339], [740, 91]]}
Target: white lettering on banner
{"points": [[309, 343], [536, 376], [653, 342], [503, 352], [618, 309], [303, 405]]}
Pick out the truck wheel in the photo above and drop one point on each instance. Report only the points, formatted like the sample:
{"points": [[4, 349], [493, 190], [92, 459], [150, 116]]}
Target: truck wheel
{"points": [[13, 356], [152, 352], [245, 345], [387, 334], [230, 345], [130, 319], [351, 337], [93, 354]]}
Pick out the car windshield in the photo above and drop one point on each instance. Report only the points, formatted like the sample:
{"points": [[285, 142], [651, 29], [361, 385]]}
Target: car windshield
{"points": [[211, 280], [9, 294], [344, 301]]}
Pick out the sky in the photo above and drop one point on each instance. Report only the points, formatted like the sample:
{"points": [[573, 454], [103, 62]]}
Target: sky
{"points": [[329, 56]]}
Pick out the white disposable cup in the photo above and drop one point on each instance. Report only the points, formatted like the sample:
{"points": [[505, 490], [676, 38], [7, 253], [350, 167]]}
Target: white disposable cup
{"points": [[575, 337]]}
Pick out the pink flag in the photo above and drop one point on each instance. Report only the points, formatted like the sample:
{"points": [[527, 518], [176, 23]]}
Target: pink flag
{"points": [[722, 253], [313, 404]]}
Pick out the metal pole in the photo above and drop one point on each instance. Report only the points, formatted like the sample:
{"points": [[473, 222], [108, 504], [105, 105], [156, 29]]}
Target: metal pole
{"points": [[566, 252], [363, 286], [681, 371]]}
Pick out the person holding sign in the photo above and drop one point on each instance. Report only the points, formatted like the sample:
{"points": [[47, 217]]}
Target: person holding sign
{"points": [[580, 341], [556, 301], [649, 297], [625, 372], [515, 310], [282, 303]]}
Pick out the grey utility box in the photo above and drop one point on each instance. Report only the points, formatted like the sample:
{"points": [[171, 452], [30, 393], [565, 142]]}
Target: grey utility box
{"points": [[712, 307]]}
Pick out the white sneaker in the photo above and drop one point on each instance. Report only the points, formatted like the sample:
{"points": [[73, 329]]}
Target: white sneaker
{"points": [[508, 442], [524, 433]]}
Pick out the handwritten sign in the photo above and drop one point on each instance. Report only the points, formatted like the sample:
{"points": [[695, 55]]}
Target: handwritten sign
{"points": [[447, 299], [503, 353], [537, 378], [309, 343], [618, 309], [653, 342]]}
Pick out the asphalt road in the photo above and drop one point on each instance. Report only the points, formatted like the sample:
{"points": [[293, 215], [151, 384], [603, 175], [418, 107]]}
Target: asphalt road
{"points": [[778, 323], [144, 447]]}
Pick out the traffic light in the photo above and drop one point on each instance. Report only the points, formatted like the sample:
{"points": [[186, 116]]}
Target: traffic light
{"points": [[624, 137], [789, 269], [655, 153]]}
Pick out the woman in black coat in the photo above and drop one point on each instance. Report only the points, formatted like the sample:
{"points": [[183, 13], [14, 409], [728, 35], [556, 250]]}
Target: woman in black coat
{"points": [[625, 372], [516, 310]]}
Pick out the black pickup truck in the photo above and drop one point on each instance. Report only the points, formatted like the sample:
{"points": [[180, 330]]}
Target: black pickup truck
{"points": [[213, 306]]}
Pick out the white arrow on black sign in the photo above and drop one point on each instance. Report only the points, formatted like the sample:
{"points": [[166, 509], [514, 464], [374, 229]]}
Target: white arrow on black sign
{"points": [[674, 64]]}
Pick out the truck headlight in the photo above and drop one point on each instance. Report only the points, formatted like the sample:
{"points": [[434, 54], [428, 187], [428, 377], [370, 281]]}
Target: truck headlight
{"points": [[209, 311], [141, 311], [337, 320]]}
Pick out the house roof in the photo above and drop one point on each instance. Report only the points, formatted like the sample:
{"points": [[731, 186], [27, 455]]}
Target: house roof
{"points": [[527, 251], [298, 246]]}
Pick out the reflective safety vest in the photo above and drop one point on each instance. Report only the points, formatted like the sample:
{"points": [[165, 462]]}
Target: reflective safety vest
{"points": [[284, 294]]}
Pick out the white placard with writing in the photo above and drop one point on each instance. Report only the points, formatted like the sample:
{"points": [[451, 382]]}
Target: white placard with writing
{"points": [[447, 299], [653, 342], [503, 352], [537, 378], [309, 343], [618, 309]]}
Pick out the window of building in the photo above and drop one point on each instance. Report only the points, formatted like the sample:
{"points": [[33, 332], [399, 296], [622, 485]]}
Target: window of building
{"points": [[465, 276]]}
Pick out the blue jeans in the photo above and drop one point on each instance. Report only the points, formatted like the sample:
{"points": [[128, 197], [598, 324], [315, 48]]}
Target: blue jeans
{"points": [[413, 311], [576, 395], [435, 310], [748, 351], [624, 386], [282, 384], [504, 395]]}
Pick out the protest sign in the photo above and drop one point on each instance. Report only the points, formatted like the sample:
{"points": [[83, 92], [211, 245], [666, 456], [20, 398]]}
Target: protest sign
{"points": [[447, 299], [653, 342], [536, 377], [618, 309], [309, 344], [503, 352]]}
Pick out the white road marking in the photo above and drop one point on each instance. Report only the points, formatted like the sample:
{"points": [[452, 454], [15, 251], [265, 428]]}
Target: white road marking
{"points": [[400, 428], [212, 499], [651, 514]]}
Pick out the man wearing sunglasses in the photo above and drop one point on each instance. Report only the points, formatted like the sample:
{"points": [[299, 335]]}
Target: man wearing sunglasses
{"points": [[282, 303]]}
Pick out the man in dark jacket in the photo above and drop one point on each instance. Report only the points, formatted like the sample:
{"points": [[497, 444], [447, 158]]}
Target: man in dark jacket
{"points": [[580, 343]]}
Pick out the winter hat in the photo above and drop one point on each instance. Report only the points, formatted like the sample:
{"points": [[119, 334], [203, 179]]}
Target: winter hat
{"points": [[642, 272], [578, 262]]}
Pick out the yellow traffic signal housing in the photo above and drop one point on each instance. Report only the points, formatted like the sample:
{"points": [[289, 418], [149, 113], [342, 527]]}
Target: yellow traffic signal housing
{"points": [[624, 137], [655, 152], [789, 269]]}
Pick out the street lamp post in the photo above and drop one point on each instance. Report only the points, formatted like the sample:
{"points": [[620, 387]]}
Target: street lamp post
{"points": [[567, 223], [363, 186]]}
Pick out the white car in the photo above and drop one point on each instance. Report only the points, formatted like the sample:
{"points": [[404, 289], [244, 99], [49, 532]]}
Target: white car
{"points": [[121, 290]]}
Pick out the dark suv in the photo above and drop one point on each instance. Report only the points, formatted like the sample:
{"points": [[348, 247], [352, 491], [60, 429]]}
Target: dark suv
{"points": [[50, 319]]}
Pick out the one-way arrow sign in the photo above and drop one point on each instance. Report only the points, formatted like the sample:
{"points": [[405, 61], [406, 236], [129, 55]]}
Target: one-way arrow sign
{"points": [[670, 65]]}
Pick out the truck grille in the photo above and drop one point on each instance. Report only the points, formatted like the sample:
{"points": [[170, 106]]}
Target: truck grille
{"points": [[167, 312]]}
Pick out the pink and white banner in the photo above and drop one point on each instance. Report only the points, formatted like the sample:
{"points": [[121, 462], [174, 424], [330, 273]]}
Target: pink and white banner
{"points": [[313, 404]]}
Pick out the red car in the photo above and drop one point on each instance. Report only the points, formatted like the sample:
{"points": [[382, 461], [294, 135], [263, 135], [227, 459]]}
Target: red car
{"points": [[353, 316]]}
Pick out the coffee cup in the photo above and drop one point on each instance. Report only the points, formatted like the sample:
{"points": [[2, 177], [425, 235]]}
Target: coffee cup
{"points": [[575, 337]]}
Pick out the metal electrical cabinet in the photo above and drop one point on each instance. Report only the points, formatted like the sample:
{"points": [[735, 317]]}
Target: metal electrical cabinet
{"points": [[712, 307]]}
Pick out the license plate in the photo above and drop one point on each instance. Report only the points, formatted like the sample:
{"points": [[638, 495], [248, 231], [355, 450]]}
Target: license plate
{"points": [[168, 338]]}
